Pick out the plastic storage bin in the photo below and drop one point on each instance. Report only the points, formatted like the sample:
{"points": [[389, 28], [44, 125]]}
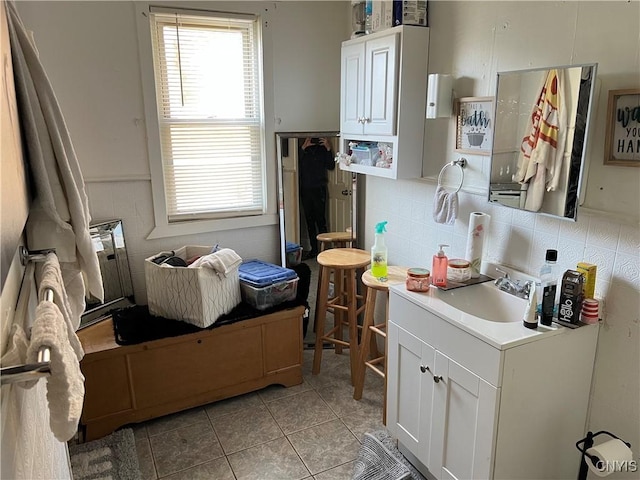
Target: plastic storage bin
{"points": [[264, 285], [294, 254]]}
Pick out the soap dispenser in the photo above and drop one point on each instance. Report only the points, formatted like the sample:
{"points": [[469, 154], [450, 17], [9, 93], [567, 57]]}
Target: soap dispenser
{"points": [[439, 267], [379, 254]]}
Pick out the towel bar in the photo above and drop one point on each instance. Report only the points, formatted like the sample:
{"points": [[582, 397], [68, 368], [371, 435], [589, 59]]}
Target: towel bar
{"points": [[460, 163], [42, 368]]}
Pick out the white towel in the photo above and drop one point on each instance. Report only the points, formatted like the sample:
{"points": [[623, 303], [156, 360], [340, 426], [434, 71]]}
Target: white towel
{"points": [[65, 385], [51, 277], [59, 217], [223, 261], [445, 206]]}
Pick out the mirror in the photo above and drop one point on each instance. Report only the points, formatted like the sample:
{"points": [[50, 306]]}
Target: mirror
{"points": [[108, 241], [540, 135], [339, 212]]}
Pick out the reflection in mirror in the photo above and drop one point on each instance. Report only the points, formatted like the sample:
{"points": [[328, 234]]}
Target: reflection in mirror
{"points": [[108, 241], [338, 210], [540, 135]]}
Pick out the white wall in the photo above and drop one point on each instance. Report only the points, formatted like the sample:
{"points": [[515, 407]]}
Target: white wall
{"points": [[90, 51], [474, 40]]}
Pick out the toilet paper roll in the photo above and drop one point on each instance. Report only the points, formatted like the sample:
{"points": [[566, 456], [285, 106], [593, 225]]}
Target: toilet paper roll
{"points": [[478, 225], [612, 456]]}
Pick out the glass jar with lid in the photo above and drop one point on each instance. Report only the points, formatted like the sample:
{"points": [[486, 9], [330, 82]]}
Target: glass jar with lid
{"points": [[418, 279], [458, 270]]}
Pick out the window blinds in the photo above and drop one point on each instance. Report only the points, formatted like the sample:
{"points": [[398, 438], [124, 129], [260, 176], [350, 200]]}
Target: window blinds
{"points": [[208, 93]]}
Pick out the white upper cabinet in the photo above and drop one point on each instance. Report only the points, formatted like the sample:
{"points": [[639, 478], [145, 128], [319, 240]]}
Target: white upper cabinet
{"points": [[383, 97], [369, 73]]}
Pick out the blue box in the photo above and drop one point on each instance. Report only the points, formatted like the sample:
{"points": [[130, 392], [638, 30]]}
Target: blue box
{"points": [[293, 254], [264, 285]]}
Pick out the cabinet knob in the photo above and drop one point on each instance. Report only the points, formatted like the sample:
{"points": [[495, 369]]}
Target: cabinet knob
{"points": [[437, 378], [366, 120], [424, 369]]}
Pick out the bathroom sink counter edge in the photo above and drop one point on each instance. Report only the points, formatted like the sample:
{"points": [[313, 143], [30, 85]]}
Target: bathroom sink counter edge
{"points": [[499, 334]]}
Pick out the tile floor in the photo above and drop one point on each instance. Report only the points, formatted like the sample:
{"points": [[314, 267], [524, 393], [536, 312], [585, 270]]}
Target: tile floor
{"points": [[310, 431]]}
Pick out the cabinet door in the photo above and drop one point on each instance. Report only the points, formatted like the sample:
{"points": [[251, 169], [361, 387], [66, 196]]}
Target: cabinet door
{"points": [[352, 88], [380, 92], [464, 413], [409, 390]]}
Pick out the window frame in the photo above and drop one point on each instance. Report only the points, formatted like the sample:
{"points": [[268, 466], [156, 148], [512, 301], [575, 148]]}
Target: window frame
{"points": [[163, 227]]}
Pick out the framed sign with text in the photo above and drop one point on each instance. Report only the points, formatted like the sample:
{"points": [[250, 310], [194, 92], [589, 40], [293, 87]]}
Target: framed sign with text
{"points": [[474, 125], [622, 140]]}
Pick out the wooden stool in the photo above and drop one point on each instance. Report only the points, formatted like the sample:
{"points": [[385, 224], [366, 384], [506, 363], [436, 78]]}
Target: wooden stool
{"points": [[335, 240], [331, 240], [344, 262], [395, 275]]}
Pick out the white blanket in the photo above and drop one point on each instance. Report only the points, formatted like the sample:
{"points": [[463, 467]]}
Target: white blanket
{"points": [[224, 261]]}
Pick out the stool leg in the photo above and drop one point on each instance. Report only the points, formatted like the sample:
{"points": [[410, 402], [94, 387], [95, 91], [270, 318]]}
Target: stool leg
{"points": [[321, 314], [352, 302], [338, 314], [364, 343], [315, 321]]}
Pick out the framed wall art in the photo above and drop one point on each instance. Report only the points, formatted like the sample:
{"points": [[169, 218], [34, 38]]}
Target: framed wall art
{"points": [[622, 140], [474, 125]]}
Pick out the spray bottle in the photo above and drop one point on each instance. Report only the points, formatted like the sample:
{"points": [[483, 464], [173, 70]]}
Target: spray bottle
{"points": [[379, 254]]}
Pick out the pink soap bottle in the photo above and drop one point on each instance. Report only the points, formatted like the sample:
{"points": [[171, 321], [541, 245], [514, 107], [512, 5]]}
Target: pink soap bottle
{"points": [[439, 268]]}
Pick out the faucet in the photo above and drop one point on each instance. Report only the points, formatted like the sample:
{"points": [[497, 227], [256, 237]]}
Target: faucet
{"points": [[505, 284]]}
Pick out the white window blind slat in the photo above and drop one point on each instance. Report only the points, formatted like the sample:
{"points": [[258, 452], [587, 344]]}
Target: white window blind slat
{"points": [[209, 111]]}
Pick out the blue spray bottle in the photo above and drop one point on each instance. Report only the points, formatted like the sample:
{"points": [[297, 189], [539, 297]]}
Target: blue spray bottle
{"points": [[379, 254]]}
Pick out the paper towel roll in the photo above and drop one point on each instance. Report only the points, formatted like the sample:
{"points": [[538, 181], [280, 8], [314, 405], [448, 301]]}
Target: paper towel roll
{"points": [[612, 456], [478, 225]]}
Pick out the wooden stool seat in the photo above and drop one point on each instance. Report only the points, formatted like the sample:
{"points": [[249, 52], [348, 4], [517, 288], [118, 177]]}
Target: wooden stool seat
{"points": [[368, 345], [344, 262], [335, 240]]}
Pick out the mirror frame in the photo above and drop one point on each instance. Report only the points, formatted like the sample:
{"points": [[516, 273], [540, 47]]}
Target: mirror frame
{"points": [[281, 211], [576, 179], [98, 311]]}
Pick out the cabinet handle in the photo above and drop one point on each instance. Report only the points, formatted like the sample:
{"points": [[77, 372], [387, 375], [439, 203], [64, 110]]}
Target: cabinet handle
{"points": [[366, 120], [424, 369], [437, 378]]}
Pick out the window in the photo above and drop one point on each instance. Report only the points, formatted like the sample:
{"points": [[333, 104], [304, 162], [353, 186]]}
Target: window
{"points": [[209, 104]]}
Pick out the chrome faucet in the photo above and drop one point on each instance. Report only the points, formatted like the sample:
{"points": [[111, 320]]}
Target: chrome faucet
{"points": [[505, 284]]}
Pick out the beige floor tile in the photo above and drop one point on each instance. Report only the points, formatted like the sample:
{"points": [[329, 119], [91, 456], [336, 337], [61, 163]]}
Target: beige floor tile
{"points": [[233, 405], [184, 447], [145, 459], [276, 392], [273, 460], [325, 446], [218, 469], [342, 472], [246, 428], [176, 420], [300, 411]]}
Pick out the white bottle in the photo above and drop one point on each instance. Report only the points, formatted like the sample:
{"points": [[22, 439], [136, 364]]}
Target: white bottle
{"points": [[546, 294]]}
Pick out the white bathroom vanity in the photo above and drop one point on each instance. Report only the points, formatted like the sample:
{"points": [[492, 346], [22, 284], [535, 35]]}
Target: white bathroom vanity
{"points": [[475, 395]]}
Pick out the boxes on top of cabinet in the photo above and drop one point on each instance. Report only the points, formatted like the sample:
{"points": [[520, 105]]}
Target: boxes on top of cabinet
{"points": [[391, 13]]}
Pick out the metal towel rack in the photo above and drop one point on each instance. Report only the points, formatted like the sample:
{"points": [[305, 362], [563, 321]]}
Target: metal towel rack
{"points": [[42, 368], [461, 163]]}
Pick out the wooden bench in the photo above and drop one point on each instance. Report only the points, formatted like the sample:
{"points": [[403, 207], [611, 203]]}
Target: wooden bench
{"points": [[134, 383]]}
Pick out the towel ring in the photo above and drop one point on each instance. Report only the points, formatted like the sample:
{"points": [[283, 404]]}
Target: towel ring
{"points": [[461, 163]]}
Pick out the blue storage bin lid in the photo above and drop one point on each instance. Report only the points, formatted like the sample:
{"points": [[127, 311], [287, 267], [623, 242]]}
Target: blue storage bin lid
{"points": [[292, 247], [261, 274]]}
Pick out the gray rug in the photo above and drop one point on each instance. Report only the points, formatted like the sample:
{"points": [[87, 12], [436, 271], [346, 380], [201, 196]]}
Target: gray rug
{"points": [[113, 457], [379, 459]]}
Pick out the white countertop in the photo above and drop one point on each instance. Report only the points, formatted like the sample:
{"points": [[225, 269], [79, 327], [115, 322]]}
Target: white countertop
{"points": [[501, 335]]}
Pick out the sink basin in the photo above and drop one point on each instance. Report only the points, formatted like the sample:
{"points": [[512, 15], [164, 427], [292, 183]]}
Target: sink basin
{"points": [[485, 301]]}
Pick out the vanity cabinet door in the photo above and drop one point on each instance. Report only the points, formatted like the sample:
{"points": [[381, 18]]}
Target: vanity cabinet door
{"points": [[410, 390], [464, 414]]}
